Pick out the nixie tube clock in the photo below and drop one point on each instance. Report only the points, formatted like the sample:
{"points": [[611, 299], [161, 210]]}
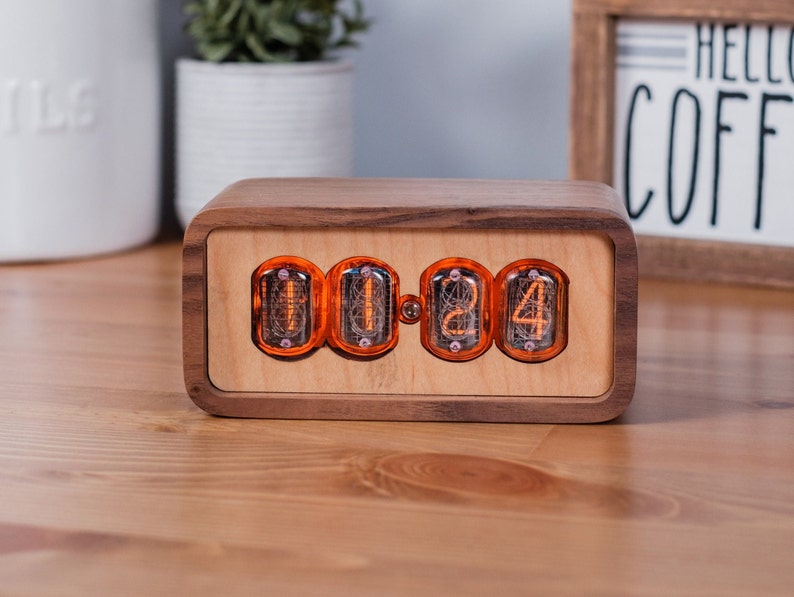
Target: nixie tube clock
{"points": [[442, 300]]}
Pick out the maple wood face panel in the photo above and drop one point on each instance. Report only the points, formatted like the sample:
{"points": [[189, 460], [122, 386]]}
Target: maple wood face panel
{"points": [[282, 252], [235, 363]]}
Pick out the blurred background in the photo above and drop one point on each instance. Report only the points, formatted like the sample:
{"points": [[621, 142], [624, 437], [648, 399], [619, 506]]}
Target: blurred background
{"points": [[449, 88]]}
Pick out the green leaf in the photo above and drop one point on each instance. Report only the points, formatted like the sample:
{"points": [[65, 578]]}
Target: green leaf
{"points": [[231, 13], [286, 33], [262, 17], [260, 52], [215, 52], [272, 30], [212, 6]]}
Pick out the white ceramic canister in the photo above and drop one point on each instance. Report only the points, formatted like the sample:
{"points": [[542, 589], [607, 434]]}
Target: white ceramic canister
{"points": [[79, 127], [246, 120]]}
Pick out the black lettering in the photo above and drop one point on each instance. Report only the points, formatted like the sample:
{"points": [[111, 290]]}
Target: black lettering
{"points": [[747, 76], [791, 55], [764, 130], [671, 162], [769, 35], [721, 128], [726, 45], [627, 158], [705, 44]]}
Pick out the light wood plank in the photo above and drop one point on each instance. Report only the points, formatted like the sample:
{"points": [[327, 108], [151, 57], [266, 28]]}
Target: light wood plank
{"points": [[113, 482]]}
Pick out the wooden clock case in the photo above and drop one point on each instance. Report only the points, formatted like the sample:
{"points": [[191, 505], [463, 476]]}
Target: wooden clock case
{"points": [[580, 227]]}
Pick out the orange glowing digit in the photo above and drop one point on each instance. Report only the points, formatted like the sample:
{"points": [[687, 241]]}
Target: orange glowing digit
{"points": [[461, 311], [363, 298], [292, 299], [533, 310], [456, 294], [288, 306], [369, 306], [531, 306]]}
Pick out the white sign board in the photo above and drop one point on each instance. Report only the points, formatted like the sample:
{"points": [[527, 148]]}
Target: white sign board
{"points": [[704, 129]]}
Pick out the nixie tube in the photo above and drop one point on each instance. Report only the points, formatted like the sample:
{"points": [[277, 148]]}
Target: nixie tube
{"points": [[288, 306], [363, 298], [533, 310], [456, 294]]}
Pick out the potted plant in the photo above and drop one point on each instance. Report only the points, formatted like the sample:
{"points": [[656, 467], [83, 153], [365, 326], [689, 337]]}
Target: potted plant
{"points": [[265, 96]]}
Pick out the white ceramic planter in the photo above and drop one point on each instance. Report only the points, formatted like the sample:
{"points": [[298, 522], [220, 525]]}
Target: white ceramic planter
{"points": [[79, 127], [238, 121]]}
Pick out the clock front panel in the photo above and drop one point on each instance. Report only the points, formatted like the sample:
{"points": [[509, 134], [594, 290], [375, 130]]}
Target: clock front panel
{"points": [[415, 312]]}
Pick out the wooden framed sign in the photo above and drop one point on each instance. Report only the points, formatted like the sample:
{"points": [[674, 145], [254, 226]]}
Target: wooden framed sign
{"points": [[435, 300], [687, 110]]}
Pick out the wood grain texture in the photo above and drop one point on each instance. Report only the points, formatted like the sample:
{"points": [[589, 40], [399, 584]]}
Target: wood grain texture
{"points": [[591, 129], [394, 207], [112, 482], [235, 363], [765, 11]]}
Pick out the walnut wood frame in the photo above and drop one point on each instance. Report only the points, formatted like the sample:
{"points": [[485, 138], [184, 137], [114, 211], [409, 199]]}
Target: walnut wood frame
{"points": [[591, 144], [296, 204]]}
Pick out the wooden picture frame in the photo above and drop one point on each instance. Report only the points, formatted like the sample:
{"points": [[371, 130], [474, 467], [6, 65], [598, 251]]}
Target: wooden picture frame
{"points": [[581, 228], [592, 125]]}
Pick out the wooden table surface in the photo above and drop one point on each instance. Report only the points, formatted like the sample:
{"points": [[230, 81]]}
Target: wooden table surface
{"points": [[113, 483]]}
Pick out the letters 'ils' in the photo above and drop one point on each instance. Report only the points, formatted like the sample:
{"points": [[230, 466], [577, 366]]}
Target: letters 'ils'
{"points": [[462, 308]]}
